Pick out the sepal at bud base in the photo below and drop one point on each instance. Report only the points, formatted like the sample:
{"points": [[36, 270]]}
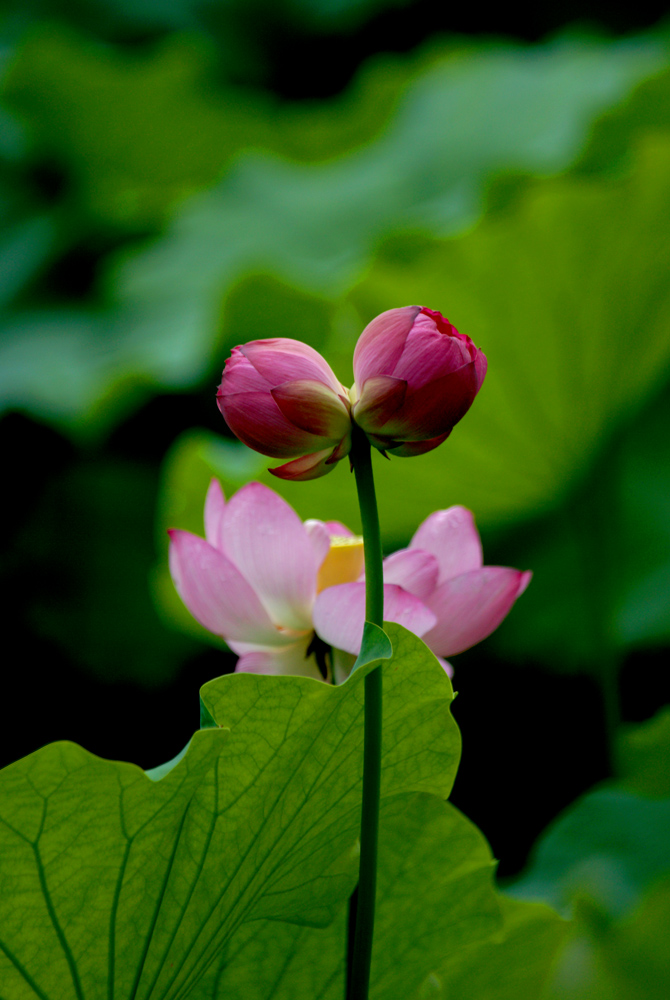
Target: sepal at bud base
{"points": [[313, 466]]}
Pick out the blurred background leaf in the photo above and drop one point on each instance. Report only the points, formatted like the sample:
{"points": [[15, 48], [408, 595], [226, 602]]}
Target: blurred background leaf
{"points": [[140, 136], [610, 846], [138, 132], [606, 862], [643, 753], [603, 559]]}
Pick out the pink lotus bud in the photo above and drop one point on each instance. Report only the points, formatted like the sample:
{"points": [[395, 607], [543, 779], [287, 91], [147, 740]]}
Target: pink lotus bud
{"points": [[416, 376], [281, 398]]}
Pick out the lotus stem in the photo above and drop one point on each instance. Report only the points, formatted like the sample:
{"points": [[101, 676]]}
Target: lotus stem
{"points": [[362, 917]]}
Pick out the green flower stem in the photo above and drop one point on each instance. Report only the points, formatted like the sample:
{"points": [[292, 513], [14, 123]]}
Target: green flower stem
{"points": [[361, 457], [363, 924]]}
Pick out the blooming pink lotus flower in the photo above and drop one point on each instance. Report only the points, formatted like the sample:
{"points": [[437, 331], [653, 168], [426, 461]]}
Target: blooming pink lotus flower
{"points": [[281, 398], [255, 578], [281, 592], [443, 569], [416, 376]]}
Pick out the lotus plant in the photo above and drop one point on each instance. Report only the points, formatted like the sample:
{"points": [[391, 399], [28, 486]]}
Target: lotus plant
{"points": [[415, 378]]}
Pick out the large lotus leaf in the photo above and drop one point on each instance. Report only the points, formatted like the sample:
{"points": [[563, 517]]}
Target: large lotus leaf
{"points": [[88, 858], [553, 288], [643, 756], [114, 884], [135, 132], [602, 562], [451, 123], [514, 966], [614, 134], [635, 952], [138, 132], [24, 247], [610, 846], [465, 118], [439, 921], [625, 959], [640, 585], [607, 858], [241, 29]]}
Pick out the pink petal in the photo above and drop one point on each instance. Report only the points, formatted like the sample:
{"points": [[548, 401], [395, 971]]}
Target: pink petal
{"points": [[289, 660], [255, 419], [471, 606], [451, 536], [441, 322], [268, 543], [435, 407], [308, 467], [313, 407], [481, 365], [281, 359], [413, 570], [216, 593], [448, 669], [239, 375], [429, 354], [215, 503], [319, 536], [339, 614], [381, 343], [380, 397]]}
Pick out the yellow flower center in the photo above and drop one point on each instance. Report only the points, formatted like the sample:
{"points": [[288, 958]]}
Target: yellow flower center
{"points": [[344, 562]]}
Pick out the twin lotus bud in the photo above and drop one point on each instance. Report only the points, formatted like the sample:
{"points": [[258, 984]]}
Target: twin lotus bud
{"points": [[282, 399], [415, 377]]}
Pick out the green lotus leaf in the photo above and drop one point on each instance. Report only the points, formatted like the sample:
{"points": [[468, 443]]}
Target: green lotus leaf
{"points": [[623, 959], [643, 754], [440, 926], [115, 884], [602, 561], [610, 845]]}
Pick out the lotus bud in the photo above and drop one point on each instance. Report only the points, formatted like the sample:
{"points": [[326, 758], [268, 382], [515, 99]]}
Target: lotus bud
{"points": [[281, 398], [416, 376]]}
